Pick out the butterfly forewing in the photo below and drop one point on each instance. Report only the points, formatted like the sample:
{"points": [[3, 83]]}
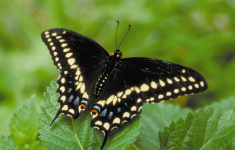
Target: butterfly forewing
{"points": [[81, 61], [159, 80]]}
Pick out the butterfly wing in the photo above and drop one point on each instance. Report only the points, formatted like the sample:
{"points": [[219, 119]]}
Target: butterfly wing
{"points": [[138, 80], [159, 80], [81, 61]]}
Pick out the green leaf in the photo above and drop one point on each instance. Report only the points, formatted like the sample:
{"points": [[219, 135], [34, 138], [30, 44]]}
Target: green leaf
{"points": [[153, 118], [228, 103], [6, 143], [24, 126], [204, 129], [67, 133]]}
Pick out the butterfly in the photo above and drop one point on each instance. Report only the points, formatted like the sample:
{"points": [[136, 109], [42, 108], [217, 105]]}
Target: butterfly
{"points": [[112, 87]]}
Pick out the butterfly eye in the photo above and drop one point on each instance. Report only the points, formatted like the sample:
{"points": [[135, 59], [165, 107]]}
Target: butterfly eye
{"points": [[82, 107], [94, 113]]}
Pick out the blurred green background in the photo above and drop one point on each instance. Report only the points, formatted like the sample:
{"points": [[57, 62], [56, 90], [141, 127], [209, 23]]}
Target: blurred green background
{"points": [[197, 34]]}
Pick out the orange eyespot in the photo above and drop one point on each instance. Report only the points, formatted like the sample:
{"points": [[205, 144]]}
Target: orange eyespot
{"points": [[94, 113], [82, 106]]}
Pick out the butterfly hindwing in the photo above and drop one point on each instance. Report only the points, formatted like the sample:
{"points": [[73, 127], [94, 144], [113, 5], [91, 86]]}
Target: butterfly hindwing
{"points": [[113, 109], [81, 61]]}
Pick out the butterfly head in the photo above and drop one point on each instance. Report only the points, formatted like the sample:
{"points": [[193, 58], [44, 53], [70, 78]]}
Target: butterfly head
{"points": [[117, 54]]}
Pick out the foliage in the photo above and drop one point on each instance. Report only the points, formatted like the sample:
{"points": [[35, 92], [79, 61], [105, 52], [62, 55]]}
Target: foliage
{"points": [[209, 129], [24, 129], [154, 118]]}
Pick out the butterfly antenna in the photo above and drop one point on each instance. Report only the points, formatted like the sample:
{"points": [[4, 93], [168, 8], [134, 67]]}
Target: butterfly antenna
{"points": [[116, 32], [124, 36]]}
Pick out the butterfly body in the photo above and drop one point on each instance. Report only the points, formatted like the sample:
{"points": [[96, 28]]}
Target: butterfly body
{"points": [[113, 87]]}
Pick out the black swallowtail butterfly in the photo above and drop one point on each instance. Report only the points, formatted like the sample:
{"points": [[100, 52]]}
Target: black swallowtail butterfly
{"points": [[119, 86]]}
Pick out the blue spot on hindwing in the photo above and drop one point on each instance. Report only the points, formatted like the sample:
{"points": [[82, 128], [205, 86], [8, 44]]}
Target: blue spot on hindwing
{"points": [[119, 109], [69, 90], [70, 98], [103, 113], [97, 108], [76, 102], [110, 116], [84, 102]]}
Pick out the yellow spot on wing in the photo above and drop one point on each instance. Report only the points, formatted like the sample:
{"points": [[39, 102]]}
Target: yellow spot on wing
{"points": [[65, 107], [202, 83], [133, 108], [128, 92], [119, 94], [116, 120], [68, 55], [63, 80], [168, 93], [98, 123], [183, 78], [144, 87], [177, 79], [169, 81], [161, 83], [85, 95], [190, 87], [126, 115], [183, 89], [62, 40], [62, 88], [57, 59], [66, 50], [191, 79], [64, 44], [106, 126], [176, 91], [63, 98], [136, 89], [82, 89], [102, 103], [58, 37], [160, 96], [71, 61], [71, 111], [110, 99], [196, 85], [153, 85]]}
